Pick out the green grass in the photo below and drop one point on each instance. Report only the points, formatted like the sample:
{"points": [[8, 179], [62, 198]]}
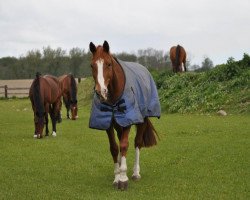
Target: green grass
{"points": [[198, 157]]}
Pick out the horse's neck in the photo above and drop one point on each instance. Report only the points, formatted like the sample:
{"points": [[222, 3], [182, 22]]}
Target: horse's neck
{"points": [[118, 82]]}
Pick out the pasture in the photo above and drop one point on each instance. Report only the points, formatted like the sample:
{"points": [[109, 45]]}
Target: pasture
{"points": [[197, 157]]}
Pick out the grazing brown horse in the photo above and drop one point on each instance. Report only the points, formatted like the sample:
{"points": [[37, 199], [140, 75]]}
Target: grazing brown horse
{"points": [[125, 94], [178, 56], [45, 96], [69, 93]]}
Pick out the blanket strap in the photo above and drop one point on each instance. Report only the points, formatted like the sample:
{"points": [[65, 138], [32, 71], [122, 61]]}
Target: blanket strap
{"points": [[114, 108]]}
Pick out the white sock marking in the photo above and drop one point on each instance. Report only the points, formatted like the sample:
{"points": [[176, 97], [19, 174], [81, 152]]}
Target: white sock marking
{"points": [[116, 172], [182, 68], [54, 134], [123, 169], [137, 163]]}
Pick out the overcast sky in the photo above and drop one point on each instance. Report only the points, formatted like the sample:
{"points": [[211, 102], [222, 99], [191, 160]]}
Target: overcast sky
{"points": [[218, 29]]}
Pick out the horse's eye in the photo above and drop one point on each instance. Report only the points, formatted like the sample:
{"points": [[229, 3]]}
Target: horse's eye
{"points": [[109, 64]]}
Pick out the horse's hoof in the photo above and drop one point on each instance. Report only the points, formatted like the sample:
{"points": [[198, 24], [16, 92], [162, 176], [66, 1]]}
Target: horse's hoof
{"points": [[35, 136], [123, 185], [136, 177], [54, 134], [115, 185]]}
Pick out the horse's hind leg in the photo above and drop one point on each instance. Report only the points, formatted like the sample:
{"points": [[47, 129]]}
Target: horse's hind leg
{"points": [[184, 63], [46, 123], [140, 128], [114, 152]]}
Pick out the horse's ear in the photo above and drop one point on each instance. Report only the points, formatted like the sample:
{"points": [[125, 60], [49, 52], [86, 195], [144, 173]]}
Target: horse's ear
{"points": [[92, 47], [106, 46]]}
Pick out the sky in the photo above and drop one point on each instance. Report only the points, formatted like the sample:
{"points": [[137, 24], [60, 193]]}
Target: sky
{"points": [[217, 29]]}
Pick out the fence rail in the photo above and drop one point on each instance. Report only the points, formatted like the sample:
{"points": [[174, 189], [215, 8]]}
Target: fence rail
{"points": [[10, 92]]}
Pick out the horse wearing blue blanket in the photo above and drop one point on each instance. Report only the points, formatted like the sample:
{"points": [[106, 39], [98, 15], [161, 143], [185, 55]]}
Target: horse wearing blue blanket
{"points": [[125, 94]]}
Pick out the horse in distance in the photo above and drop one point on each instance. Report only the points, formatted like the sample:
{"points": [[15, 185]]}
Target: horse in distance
{"points": [[45, 96], [124, 94], [178, 58], [69, 93]]}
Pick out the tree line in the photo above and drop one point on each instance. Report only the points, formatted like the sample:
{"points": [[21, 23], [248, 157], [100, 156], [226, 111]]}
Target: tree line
{"points": [[77, 62]]}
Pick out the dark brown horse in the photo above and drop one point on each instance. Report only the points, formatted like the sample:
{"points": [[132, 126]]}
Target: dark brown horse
{"points": [[178, 56], [116, 106], [45, 96], [69, 93]]}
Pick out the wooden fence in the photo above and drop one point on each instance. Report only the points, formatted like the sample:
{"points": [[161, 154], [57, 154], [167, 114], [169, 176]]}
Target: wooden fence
{"points": [[7, 92], [18, 88]]}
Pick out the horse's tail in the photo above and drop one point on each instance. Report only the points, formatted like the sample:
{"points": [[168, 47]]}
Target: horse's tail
{"points": [[73, 89], [37, 96], [149, 135], [177, 56]]}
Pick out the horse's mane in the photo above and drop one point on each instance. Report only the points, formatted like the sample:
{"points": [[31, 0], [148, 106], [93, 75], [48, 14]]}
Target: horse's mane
{"points": [[73, 89], [37, 96], [177, 56]]}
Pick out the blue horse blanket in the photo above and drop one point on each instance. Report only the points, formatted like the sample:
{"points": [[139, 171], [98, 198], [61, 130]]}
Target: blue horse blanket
{"points": [[139, 100]]}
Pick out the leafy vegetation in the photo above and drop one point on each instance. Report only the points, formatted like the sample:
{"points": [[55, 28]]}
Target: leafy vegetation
{"points": [[224, 87]]}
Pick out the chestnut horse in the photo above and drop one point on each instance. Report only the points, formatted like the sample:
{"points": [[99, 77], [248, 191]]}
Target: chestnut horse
{"points": [[178, 56], [118, 104], [45, 96], [69, 93]]}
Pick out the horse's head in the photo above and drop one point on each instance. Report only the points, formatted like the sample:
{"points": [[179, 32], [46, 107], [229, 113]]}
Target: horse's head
{"points": [[74, 110], [39, 124], [102, 72]]}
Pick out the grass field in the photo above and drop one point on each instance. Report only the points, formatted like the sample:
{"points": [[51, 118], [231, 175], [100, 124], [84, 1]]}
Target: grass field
{"points": [[198, 157]]}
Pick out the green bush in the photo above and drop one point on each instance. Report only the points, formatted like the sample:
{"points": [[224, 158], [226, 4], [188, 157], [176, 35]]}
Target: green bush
{"points": [[223, 87]]}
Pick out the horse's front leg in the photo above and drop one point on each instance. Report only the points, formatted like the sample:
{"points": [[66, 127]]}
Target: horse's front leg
{"points": [[67, 105], [114, 152], [124, 143], [53, 119]]}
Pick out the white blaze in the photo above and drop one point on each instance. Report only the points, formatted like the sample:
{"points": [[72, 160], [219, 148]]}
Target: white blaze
{"points": [[100, 77]]}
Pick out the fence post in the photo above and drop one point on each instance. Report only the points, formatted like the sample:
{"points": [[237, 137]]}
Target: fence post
{"points": [[6, 91]]}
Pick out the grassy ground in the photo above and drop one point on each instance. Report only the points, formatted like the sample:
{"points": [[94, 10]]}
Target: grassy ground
{"points": [[198, 157]]}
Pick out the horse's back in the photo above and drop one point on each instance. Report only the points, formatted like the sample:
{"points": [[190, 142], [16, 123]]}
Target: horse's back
{"points": [[139, 79], [62, 78], [51, 88]]}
